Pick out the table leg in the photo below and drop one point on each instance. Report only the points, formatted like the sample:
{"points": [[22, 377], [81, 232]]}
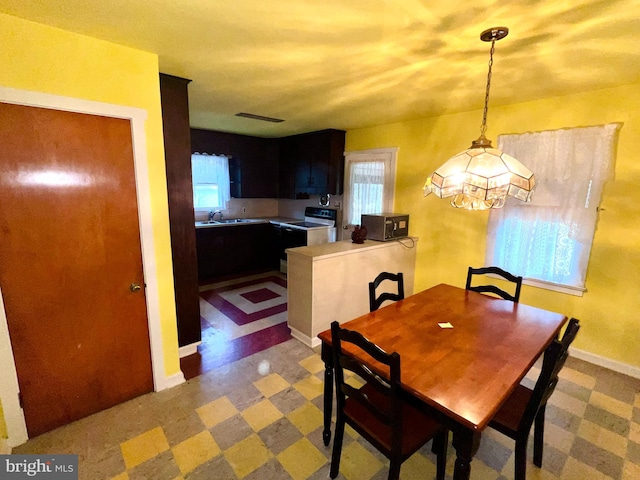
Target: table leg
{"points": [[328, 393], [466, 442]]}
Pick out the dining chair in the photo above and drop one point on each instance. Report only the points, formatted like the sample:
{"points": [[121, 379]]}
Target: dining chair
{"points": [[526, 406], [376, 301], [492, 288], [377, 410]]}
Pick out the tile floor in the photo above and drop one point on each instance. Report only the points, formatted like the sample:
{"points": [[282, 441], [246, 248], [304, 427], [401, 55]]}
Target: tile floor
{"points": [[256, 413]]}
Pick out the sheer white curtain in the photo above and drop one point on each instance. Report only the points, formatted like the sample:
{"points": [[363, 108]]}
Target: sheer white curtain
{"points": [[549, 239], [366, 179], [210, 174]]}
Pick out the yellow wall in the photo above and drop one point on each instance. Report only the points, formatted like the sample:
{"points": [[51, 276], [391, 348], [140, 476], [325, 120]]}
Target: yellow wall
{"points": [[451, 239], [40, 58]]}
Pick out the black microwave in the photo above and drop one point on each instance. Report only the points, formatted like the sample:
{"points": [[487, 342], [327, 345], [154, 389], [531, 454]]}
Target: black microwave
{"points": [[385, 226]]}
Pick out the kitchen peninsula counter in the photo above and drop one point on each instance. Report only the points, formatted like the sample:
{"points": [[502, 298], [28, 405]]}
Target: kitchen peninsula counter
{"points": [[330, 281]]}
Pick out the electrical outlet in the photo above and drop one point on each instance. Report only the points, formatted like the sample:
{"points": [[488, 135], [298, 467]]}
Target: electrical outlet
{"points": [[337, 204], [244, 209]]}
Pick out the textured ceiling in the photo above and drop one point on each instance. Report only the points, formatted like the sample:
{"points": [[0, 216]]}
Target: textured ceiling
{"points": [[355, 63]]}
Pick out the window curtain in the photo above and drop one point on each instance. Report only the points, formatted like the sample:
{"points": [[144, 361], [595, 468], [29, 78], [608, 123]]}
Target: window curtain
{"points": [[211, 170], [367, 186], [550, 238]]}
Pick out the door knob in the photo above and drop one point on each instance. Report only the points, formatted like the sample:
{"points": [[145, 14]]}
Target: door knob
{"points": [[135, 287]]}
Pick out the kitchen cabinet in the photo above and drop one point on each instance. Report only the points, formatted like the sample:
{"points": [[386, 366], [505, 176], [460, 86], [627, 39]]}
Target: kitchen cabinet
{"points": [[177, 146], [253, 164], [312, 164], [225, 250]]}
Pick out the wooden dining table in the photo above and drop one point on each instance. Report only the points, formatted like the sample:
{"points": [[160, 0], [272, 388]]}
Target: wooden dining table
{"points": [[462, 354]]}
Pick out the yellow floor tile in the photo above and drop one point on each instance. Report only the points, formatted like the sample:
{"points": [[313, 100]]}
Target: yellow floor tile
{"points": [[634, 433], [306, 418], [603, 438], [348, 430], [122, 476], [261, 415], [621, 409], [302, 459], [144, 447], [247, 455], [217, 411], [312, 364], [578, 378], [271, 384], [631, 471], [481, 470], [357, 463], [417, 466], [355, 382], [575, 470], [195, 451], [310, 387], [637, 401]]}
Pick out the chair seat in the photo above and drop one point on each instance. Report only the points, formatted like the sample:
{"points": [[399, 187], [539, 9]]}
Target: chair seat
{"points": [[508, 417], [417, 428]]}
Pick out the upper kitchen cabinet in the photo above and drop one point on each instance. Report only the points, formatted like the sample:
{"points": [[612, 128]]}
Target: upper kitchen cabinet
{"points": [[253, 164], [312, 164]]}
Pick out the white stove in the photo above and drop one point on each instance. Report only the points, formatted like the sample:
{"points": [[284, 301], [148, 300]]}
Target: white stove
{"points": [[319, 226], [316, 218]]}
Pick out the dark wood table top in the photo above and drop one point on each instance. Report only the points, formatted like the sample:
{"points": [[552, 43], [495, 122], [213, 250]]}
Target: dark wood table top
{"points": [[466, 371]]}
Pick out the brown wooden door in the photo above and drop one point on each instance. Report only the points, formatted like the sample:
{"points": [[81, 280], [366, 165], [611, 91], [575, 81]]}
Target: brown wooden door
{"points": [[69, 251]]}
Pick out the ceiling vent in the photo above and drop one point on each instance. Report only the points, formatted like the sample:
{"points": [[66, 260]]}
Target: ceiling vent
{"points": [[259, 117]]}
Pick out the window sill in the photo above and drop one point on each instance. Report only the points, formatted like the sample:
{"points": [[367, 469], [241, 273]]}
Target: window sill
{"points": [[556, 287]]}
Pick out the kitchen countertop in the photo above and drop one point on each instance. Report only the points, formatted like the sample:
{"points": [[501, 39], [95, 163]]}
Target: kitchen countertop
{"points": [[346, 247], [257, 220]]}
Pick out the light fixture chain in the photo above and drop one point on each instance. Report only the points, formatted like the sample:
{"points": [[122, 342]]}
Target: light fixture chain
{"points": [[483, 128]]}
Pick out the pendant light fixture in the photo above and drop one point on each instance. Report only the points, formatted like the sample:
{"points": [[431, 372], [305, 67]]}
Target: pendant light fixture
{"points": [[481, 177]]}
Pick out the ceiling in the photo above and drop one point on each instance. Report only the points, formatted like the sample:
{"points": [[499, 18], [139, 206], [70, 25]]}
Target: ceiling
{"points": [[350, 64]]}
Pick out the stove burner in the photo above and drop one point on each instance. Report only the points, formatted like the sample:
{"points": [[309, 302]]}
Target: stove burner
{"points": [[307, 224]]}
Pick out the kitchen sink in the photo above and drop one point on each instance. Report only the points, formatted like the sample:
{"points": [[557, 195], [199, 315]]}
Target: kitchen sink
{"points": [[230, 221], [236, 220]]}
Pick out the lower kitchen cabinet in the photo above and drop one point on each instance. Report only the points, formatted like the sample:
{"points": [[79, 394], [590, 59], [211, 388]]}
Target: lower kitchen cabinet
{"points": [[234, 249]]}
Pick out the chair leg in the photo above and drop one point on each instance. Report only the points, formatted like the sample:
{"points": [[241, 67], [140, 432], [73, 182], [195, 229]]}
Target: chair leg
{"points": [[521, 459], [538, 437], [439, 447], [394, 469], [337, 447]]}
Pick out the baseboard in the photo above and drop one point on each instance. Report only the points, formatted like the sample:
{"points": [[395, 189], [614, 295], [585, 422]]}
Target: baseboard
{"points": [[174, 380], [187, 350], [307, 340], [613, 365]]}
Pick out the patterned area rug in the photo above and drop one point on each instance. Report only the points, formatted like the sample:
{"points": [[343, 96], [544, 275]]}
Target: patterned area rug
{"points": [[239, 318]]}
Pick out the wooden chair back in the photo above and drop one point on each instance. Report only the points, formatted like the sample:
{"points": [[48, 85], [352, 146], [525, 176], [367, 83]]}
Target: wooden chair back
{"points": [[376, 301], [389, 412], [554, 359], [515, 297], [377, 409]]}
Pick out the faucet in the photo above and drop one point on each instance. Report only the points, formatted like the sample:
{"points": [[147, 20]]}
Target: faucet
{"points": [[213, 214]]}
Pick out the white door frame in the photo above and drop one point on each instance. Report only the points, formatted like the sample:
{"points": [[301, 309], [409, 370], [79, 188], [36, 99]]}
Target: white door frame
{"points": [[387, 155], [13, 414]]}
